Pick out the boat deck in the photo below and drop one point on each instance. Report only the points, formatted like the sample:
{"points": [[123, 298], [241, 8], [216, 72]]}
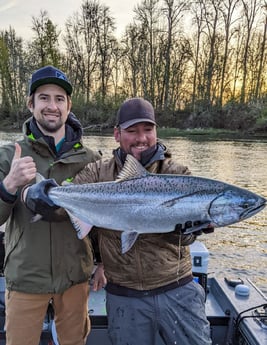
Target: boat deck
{"points": [[224, 309], [223, 306], [236, 316]]}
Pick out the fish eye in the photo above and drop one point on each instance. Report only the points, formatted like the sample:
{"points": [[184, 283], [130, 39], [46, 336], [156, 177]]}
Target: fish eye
{"points": [[245, 205]]}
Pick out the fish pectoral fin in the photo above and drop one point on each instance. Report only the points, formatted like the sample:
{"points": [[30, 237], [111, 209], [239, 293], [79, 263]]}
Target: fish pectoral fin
{"points": [[127, 240], [80, 226]]}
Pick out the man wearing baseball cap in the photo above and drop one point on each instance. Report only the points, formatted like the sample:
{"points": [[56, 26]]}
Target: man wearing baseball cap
{"points": [[45, 261], [150, 289]]}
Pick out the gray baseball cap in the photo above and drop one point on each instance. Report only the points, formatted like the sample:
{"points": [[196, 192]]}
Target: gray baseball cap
{"points": [[135, 110]]}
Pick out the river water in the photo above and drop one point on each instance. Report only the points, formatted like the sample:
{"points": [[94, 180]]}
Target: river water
{"points": [[239, 249]]}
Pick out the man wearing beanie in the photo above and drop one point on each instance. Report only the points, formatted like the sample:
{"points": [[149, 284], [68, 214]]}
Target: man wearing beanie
{"points": [[45, 262], [150, 288]]}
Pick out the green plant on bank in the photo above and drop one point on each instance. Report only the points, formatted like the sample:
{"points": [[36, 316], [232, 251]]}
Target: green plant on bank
{"points": [[261, 122]]}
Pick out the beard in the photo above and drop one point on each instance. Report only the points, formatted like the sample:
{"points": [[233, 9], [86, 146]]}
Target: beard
{"points": [[50, 126]]}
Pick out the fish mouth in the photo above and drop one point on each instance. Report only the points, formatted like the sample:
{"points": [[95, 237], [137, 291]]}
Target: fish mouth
{"points": [[250, 212]]}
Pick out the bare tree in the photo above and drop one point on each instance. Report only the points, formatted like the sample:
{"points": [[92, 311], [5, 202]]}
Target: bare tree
{"points": [[211, 16], [147, 13], [263, 56], [250, 9], [105, 27], [132, 60], [227, 10], [90, 43], [174, 11], [81, 44], [45, 44], [198, 19], [13, 74]]}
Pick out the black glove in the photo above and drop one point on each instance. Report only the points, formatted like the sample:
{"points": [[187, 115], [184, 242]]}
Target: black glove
{"points": [[190, 224], [180, 229], [208, 230], [185, 240], [37, 199]]}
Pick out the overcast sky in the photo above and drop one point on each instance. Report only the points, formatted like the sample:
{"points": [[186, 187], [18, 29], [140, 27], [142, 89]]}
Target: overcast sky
{"points": [[18, 13]]}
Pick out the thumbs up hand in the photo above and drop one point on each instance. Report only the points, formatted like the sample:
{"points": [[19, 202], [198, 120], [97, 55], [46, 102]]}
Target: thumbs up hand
{"points": [[22, 171]]}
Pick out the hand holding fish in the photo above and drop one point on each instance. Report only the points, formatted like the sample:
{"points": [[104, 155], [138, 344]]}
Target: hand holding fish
{"points": [[181, 229], [36, 199], [207, 230]]}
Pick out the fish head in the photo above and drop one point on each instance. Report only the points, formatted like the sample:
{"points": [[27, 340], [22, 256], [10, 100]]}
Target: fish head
{"points": [[234, 205]]}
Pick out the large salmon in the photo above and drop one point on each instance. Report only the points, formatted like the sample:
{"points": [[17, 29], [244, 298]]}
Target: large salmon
{"points": [[141, 202]]}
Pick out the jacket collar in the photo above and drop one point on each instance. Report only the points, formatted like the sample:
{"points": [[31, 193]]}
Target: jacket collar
{"points": [[148, 157], [73, 134]]}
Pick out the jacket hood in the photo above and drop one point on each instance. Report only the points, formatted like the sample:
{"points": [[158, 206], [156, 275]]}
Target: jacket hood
{"points": [[73, 133]]}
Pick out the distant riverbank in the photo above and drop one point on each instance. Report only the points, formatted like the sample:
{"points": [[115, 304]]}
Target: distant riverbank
{"points": [[215, 134], [199, 133], [165, 132]]}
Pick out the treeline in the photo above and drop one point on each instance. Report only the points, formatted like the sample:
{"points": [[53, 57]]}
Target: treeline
{"points": [[201, 63]]}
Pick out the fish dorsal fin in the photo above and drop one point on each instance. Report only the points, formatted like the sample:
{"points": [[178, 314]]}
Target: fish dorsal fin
{"points": [[131, 169]]}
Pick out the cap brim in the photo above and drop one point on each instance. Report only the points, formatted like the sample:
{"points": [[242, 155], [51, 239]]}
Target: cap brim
{"points": [[135, 121]]}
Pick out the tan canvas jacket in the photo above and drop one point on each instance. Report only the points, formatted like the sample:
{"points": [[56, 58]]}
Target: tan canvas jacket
{"points": [[154, 260]]}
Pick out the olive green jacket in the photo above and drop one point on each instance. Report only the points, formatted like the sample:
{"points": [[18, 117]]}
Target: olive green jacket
{"points": [[44, 257], [154, 260]]}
